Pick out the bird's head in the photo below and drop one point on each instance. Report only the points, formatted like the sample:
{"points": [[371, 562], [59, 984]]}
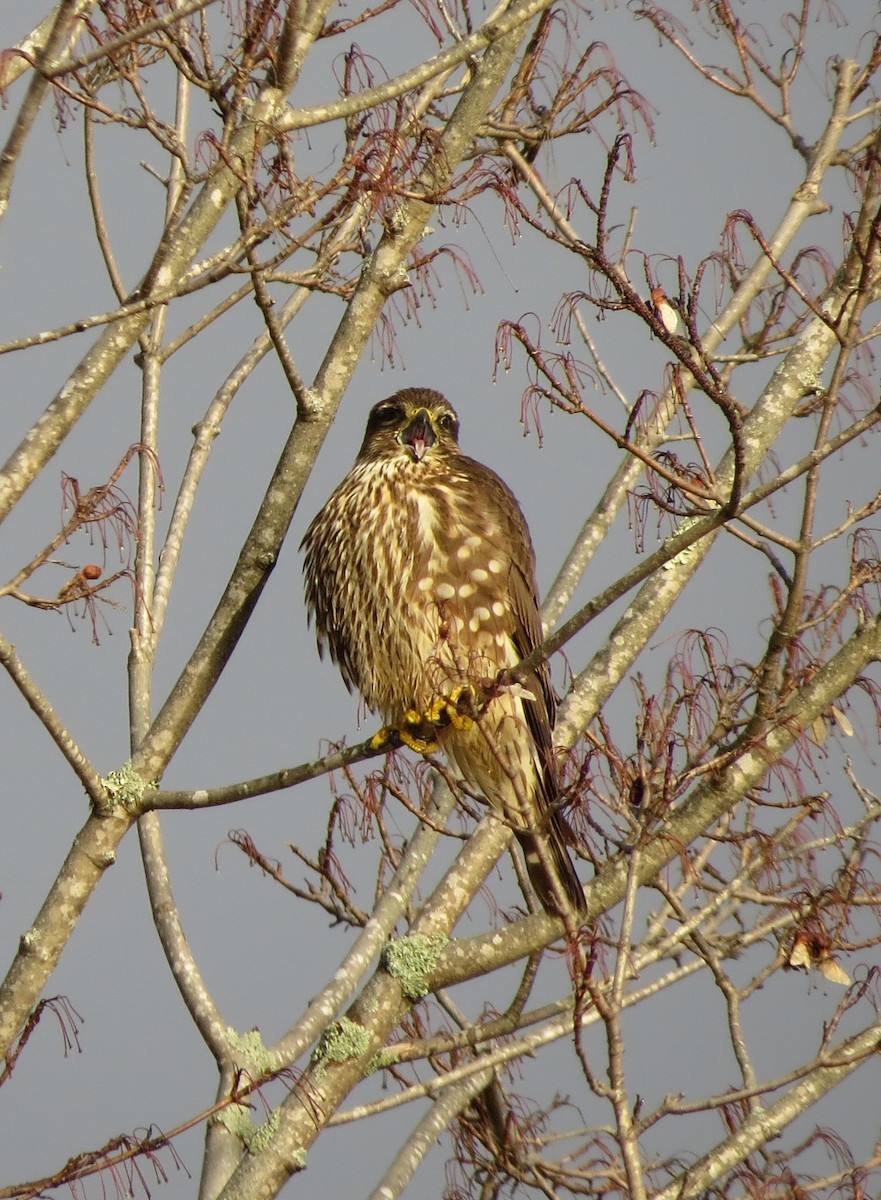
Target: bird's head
{"points": [[416, 422]]}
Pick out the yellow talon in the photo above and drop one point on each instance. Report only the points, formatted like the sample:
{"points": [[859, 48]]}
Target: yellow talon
{"points": [[455, 709], [464, 699], [414, 731], [419, 730], [386, 738], [420, 744], [437, 714]]}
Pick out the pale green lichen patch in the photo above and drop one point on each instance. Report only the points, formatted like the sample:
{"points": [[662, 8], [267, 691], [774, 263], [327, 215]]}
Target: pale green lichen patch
{"points": [[251, 1053], [255, 1138], [380, 1061], [411, 960], [125, 787], [689, 552], [237, 1119], [342, 1040], [263, 1134]]}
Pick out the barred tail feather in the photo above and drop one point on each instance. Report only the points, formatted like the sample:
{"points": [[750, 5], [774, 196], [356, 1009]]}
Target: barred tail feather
{"points": [[551, 871]]}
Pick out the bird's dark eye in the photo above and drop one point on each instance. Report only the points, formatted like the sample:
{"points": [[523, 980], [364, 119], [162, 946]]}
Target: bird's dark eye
{"points": [[448, 423], [385, 416]]}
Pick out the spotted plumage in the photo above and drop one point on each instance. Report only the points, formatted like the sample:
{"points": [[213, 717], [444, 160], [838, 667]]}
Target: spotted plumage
{"points": [[420, 576]]}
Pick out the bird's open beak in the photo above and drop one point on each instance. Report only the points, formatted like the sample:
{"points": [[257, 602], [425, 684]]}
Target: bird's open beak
{"points": [[418, 434]]}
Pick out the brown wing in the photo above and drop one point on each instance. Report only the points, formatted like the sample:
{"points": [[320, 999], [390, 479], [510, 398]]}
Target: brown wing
{"points": [[550, 867]]}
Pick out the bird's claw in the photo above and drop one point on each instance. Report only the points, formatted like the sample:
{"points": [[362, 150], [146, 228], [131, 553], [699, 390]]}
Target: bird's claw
{"points": [[416, 731], [419, 730], [387, 738], [457, 709]]}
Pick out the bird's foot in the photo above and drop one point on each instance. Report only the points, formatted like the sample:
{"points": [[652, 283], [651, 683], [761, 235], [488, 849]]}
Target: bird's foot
{"points": [[416, 730], [386, 738], [458, 709], [419, 730]]}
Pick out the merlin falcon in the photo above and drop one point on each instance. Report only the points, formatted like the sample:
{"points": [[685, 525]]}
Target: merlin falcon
{"points": [[420, 576]]}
